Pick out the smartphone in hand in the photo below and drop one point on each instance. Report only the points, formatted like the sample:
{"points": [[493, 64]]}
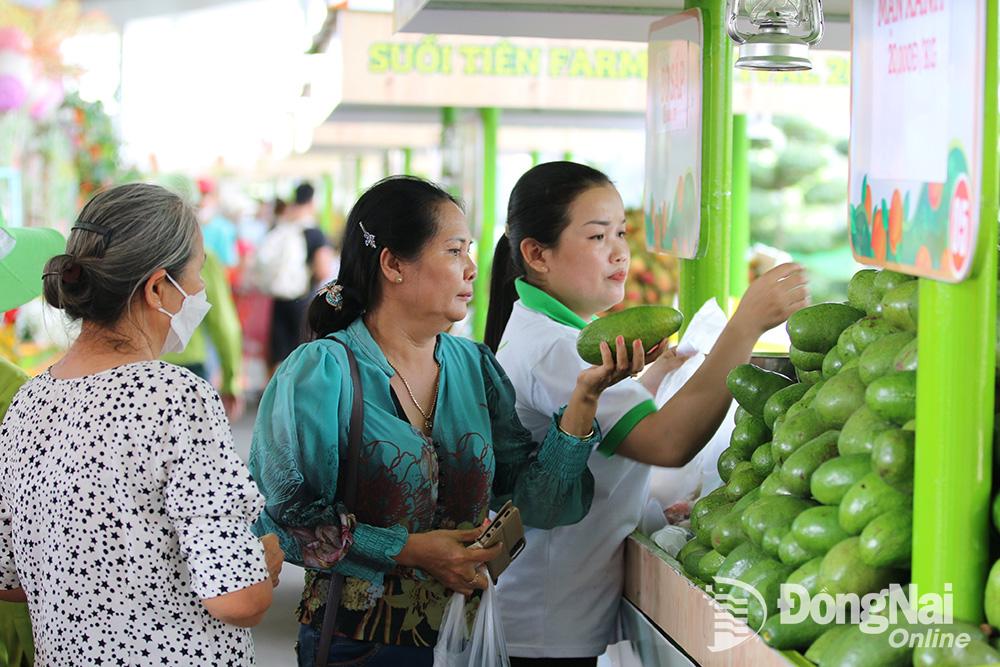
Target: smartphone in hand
{"points": [[506, 528]]}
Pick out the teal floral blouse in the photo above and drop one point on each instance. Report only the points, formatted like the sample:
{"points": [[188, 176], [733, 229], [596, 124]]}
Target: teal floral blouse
{"points": [[478, 456]]}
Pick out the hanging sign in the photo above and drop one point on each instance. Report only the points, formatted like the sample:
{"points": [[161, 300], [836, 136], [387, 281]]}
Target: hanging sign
{"points": [[672, 198], [916, 134]]}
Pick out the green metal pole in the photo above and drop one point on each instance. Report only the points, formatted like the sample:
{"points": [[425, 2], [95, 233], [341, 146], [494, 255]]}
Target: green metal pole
{"points": [[326, 214], [738, 278], [536, 158], [408, 161], [449, 149], [708, 277], [484, 258], [955, 388]]}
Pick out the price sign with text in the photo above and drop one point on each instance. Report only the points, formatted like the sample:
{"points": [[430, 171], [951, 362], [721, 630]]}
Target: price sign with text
{"points": [[916, 134], [673, 136]]}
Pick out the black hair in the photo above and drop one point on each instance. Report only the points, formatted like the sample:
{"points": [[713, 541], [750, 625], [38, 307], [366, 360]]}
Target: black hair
{"points": [[399, 213], [538, 209], [304, 193]]}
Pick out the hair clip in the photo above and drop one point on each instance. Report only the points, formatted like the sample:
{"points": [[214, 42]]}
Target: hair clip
{"points": [[369, 238], [334, 294], [96, 229]]}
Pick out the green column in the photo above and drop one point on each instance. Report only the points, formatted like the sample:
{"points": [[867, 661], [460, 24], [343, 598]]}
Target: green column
{"points": [[955, 388], [326, 212], [408, 161], [708, 277], [741, 208], [450, 156], [567, 156], [484, 258], [536, 158]]}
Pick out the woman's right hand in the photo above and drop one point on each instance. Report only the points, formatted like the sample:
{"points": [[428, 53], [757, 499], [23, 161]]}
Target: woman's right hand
{"points": [[444, 555], [771, 299]]}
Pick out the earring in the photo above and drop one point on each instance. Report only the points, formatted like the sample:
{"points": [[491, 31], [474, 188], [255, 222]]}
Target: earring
{"points": [[399, 279]]}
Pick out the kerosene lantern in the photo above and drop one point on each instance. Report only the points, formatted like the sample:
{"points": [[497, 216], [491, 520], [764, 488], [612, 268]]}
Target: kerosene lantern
{"points": [[775, 34]]}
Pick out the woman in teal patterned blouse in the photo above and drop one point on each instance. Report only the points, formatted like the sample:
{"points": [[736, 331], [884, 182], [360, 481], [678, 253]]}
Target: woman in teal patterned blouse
{"points": [[442, 442]]}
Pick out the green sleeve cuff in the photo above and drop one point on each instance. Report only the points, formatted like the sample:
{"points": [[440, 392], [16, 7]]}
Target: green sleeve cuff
{"points": [[563, 455], [373, 553], [609, 444]]}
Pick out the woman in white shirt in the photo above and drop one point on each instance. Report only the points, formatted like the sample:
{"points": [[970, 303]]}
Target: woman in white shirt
{"points": [[125, 512], [563, 259]]}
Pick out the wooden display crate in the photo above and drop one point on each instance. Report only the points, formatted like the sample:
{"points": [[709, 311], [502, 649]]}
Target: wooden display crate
{"points": [[686, 613]]}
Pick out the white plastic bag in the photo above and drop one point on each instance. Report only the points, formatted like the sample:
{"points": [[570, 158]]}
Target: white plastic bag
{"points": [[678, 488], [487, 647]]}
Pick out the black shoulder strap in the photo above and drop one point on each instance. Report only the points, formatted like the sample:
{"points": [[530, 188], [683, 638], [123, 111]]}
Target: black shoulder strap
{"points": [[348, 480]]}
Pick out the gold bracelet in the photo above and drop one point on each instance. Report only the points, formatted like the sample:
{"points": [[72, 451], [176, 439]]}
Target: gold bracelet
{"points": [[573, 435]]}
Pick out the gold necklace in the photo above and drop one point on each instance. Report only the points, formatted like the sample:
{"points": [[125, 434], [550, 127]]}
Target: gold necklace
{"points": [[429, 415]]}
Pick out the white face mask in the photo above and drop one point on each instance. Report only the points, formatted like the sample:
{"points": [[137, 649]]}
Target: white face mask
{"points": [[184, 322]]}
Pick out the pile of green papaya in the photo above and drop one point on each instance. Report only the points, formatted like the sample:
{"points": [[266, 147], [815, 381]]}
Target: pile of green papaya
{"points": [[819, 475]]}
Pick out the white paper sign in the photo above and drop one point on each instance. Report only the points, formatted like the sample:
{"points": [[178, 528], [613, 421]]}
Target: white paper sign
{"points": [[911, 61]]}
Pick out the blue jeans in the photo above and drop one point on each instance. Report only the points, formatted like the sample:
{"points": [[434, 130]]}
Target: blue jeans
{"points": [[344, 652]]}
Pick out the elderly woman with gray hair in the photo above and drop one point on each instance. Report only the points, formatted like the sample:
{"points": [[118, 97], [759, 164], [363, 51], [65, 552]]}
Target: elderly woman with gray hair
{"points": [[124, 510]]}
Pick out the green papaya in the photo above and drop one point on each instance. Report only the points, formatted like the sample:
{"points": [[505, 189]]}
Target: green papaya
{"points": [[871, 329], [690, 557], [707, 503], [736, 564], [893, 397], [832, 364], [975, 653], [808, 378], [900, 306], [790, 552], [861, 292], [839, 398], [802, 403], [728, 533], [795, 431], [818, 529], [746, 501], [763, 459], [765, 578], [992, 602], [816, 328], [879, 357], [781, 400], [887, 540], [867, 499], [748, 435], [744, 480], [893, 457], [728, 460], [708, 565], [773, 486], [805, 361], [797, 470], [650, 324], [795, 636], [751, 386], [771, 541], [859, 433], [771, 512], [707, 523], [833, 479], [906, 358], [887, 280], [740, 414], [856, 648], [846, 347], [816, 653], [844, 571]]}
